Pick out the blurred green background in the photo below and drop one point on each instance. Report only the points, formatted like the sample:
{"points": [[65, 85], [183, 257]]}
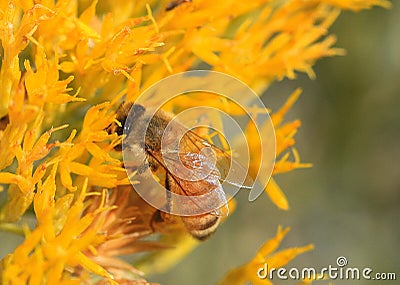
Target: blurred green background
{"points": [[348, 203]]}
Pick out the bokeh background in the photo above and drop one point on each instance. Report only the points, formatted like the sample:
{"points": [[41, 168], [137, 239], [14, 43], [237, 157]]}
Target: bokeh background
{"points": [[348, 203]]}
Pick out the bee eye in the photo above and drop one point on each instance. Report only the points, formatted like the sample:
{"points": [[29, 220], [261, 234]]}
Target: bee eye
{"points": [[134, 114], [137, 110]]}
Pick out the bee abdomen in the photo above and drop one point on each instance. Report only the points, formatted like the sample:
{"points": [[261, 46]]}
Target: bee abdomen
{"points": [[201, 227]]}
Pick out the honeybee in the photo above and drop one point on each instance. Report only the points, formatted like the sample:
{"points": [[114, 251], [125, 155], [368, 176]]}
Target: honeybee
{"points": [[189, 165]]}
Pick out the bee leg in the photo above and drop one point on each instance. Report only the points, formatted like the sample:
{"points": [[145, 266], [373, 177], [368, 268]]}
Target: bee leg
{"points": [[156, 220], [168, 192], [145, 165], [163, 223]]}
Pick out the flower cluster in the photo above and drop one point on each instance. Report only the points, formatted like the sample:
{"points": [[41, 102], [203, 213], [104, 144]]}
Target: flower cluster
{"points": [[65, 67]]}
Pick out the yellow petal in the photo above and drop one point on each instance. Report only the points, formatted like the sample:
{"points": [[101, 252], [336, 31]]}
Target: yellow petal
{"points": [[276, 195]]}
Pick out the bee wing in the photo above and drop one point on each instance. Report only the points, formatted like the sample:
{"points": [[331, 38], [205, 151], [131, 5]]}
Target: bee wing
{"points": [[195, 181], [232, 174]]}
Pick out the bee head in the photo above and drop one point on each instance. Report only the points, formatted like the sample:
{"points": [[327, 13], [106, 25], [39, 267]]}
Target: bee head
{"points": [[135, 111]]}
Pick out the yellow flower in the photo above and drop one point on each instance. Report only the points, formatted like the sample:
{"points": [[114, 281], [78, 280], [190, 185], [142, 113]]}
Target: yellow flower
{"points": [[266, 255], [122, 224], [57, 242], [65, 67]]}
